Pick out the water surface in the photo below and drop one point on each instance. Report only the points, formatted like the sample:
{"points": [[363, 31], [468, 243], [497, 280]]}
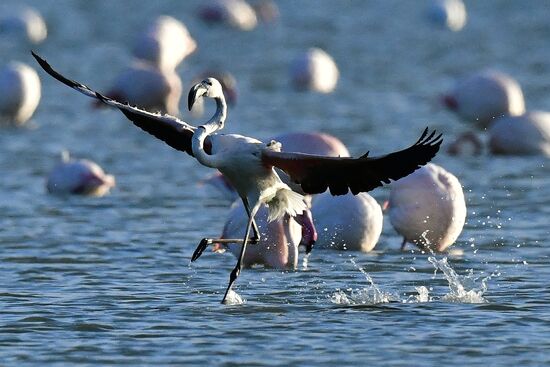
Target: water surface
{"points": [[108, 281]]}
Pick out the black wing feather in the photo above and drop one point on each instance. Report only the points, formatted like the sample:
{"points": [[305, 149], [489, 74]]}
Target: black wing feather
{"points": [[317, 173]]}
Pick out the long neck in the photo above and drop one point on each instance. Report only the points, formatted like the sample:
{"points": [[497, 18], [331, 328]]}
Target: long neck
{"points": [[221, 112], [214, 124]]}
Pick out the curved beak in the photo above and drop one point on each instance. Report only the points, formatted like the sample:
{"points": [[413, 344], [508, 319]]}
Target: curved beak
{"points": [[197, 91], [309, 232]]}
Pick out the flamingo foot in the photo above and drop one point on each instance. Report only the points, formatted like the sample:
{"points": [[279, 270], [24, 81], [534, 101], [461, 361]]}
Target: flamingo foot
{"points": [[205, 242], [200, 248]]}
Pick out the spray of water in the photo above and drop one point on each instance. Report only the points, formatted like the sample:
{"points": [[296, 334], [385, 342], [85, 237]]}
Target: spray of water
{"points": [[462, 288], [422, 296], [370, 295], [233, 298]]}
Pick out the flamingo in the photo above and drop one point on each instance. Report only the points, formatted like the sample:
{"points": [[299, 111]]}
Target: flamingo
{"points": [[229, 86], [347, 222], [279, 240], [484, 96], [428, 208], [226, 79], [314, 70], [449, 14], [521, 135], [164, 43], [78, 176], [25, 23], [248, 163], [19, 92], [235, 13]]}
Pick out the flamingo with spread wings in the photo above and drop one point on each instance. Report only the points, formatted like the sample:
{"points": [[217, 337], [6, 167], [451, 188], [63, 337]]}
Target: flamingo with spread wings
{"points": [[248, 164]]}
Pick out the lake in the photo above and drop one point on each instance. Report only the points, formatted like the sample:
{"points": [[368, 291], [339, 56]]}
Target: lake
{"points": [[107, 281]]}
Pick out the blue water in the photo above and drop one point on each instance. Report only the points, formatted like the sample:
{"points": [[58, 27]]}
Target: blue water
{"points": [[108, 282]]}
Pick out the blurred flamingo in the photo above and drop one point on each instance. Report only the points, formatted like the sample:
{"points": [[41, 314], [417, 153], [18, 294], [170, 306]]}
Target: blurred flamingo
{"points": [[19, 93], [482, 97], [428, 208], [78, 176], [25, 23], [347, 222], [147, 87], [164, 43], [314, 70], [450, 14], [526, 134], [235, 13]]}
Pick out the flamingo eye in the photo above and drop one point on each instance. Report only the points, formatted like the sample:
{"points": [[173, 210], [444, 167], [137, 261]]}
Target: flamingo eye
{"points": [[208, 82]]}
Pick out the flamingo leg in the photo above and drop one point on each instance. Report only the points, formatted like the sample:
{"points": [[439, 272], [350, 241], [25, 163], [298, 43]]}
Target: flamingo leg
{"points": [[256, 232], [237, 270], [205, 242]]}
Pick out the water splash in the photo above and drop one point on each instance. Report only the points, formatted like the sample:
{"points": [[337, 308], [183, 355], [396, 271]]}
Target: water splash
{"points": [[463, 289], [423, 296], [370, 295], [233, 298], [365, 296], [458, 284]]}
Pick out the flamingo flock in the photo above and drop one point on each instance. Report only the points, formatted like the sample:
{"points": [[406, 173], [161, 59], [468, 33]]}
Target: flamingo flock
{"points": [[295, 189]]}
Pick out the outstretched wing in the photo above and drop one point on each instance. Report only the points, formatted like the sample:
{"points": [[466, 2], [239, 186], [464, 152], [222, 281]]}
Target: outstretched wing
{"points": [[169, 129], [317, 173]]}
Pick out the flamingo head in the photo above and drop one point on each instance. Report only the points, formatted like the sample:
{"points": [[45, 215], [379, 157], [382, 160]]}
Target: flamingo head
{"points": [[209, 87], [227, 81]]}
